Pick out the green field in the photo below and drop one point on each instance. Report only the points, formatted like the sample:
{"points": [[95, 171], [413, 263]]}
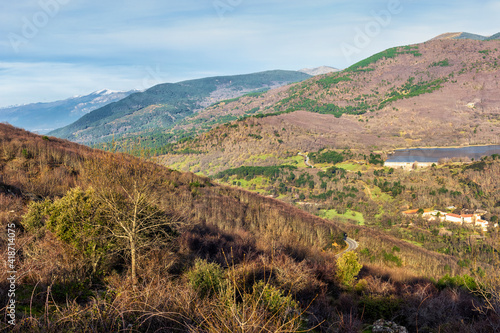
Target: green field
{"points": [[349, 215], [297, 161], [350, 166], [258, 158], [377, 195], [257, 184]]}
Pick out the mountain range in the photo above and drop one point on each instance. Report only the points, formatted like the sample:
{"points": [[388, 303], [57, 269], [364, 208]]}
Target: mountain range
{"points": [[466, 35], [389, 100], [160, 108], [165, 105], [45, 117]]}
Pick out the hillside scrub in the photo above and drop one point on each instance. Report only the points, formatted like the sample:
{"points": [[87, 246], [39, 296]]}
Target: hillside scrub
{"points": [[93, 207], [391, 100], [232, 261]]}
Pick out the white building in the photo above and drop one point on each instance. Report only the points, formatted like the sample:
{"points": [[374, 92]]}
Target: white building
{"points": [[469, 218], [453, 218], [408, 165], [482, 224]]}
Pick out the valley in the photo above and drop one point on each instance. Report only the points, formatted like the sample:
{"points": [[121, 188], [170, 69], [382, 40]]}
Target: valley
{"points": [[267, 202], [399, 98]]}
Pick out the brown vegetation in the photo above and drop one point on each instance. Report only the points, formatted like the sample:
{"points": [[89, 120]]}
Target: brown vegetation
{"points": [[463, 111], [236, 261]]}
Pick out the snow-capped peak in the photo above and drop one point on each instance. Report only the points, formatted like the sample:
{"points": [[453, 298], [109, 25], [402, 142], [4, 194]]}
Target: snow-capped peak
{"points": [[105, 92]]}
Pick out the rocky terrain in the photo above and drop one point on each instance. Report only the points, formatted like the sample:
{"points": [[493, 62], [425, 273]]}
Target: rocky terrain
{"points": [[319, 70]]}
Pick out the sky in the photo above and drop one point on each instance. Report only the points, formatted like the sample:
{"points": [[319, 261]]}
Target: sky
{"points": [[56, 49]]}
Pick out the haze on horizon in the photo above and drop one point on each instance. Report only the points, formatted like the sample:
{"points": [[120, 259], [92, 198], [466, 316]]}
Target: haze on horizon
{"points": [[54, 49]]}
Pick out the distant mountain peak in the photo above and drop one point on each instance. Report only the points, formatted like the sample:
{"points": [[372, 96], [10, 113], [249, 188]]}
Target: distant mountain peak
{"points": [[465, 35], [104, 92], [319, 70], [47, 116], [101, 92]]}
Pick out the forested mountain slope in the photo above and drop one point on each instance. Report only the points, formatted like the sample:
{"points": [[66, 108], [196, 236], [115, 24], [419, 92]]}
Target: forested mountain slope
{"points": [[166, 104]]}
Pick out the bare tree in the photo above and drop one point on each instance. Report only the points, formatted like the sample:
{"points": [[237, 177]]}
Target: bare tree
{"points": [[129, 199], [489, 292]]}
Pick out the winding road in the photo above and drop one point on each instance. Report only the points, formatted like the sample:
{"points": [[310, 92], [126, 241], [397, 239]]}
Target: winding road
{"points": [[307, 160], [352, 245]]}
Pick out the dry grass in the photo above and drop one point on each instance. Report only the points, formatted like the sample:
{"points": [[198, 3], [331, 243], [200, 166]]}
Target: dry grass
{"points": [[276, 275]]}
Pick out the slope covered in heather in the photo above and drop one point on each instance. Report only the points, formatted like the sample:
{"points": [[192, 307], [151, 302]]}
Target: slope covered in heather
{"points": [[439, 93], [220, 249]]}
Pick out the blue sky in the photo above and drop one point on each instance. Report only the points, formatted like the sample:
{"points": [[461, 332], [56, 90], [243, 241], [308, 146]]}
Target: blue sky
{"points": [[54, 49]]}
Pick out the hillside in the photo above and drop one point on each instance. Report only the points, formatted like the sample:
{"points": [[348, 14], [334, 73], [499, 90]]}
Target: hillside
{"points": [[46, 117], [220, 249], [346, 122], [439, 93], [164, 105], [392, 99], [213, 247], [36, 167]]}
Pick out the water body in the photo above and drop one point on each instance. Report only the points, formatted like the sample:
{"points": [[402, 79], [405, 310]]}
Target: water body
{"points": [[433, 155]]}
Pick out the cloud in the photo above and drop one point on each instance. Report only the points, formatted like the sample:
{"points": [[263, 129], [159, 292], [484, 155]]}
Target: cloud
{"points": [[22, 83], [91, 44]]}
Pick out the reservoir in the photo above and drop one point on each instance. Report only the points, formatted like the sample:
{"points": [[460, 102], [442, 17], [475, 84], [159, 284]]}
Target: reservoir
{"points": [[433, 155]]}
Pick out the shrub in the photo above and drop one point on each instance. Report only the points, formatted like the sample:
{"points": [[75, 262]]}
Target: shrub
{"points": [[376, 307], [26, 153], [348, 268], [34, 219], [361, 286], [365, 252], [464, 281], [264, 309], [442, 63], [74, 219], [273, 299], [206, 278], [389, 257]]}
